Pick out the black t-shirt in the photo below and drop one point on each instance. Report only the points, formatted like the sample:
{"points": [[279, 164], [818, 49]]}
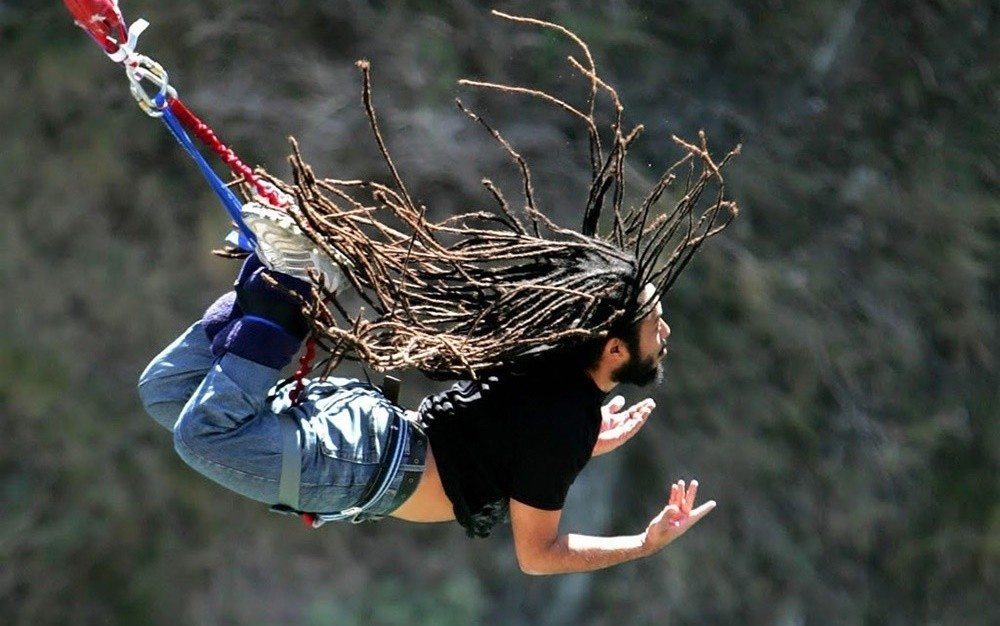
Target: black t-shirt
{"points": [[521, 436]]}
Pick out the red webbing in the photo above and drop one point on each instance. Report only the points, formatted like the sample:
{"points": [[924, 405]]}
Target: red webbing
{"points": [[305, 366], [101, 19], [207, 136]]}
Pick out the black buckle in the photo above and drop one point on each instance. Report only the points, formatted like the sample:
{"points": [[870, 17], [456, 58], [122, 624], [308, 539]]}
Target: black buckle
{"points": [[283, 509]]}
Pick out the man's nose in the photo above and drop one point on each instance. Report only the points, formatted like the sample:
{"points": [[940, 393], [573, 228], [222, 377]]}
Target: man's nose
{"points": [[664, 329]]}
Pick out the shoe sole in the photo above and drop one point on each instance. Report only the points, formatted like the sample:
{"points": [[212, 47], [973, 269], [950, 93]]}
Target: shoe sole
{"points": [[283, 247]]}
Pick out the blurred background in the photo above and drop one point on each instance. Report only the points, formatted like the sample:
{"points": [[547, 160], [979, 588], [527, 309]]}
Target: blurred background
{"points": [[832, 381]]}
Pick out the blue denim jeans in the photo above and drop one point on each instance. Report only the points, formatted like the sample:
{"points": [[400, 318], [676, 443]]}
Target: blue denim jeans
{"points": [[224, 415]]}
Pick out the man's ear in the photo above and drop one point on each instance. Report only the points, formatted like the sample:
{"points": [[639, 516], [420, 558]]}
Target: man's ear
{"points": [[615, 350]]}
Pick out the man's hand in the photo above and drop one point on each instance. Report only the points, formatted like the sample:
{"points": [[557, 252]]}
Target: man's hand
{"points": [[678, 516], [541, 549], [619, 426]]}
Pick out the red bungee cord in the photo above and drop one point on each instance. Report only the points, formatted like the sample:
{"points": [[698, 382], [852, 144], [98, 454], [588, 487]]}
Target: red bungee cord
{"points": [[305, 366], [207, 136], [103, 21]]}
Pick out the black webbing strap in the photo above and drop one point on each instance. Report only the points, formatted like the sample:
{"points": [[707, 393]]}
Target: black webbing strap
{"points": [[390, 389]]}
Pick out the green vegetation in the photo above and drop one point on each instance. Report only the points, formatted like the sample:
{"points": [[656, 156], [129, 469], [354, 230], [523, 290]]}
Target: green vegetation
{"points": [[833, 376]]}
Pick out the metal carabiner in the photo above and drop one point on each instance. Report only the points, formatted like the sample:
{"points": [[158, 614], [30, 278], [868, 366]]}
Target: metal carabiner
{"points": [[141, 68]]}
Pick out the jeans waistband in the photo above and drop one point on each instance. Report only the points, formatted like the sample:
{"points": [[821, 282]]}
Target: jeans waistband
{"points": [[404, 461], [405, 482]]}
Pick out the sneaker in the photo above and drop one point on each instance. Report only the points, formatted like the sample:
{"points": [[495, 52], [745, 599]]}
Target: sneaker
{"points": [[283, 247]]}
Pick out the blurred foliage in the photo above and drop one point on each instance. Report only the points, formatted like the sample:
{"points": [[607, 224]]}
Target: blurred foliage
{"points": [[833, 376], [392, 602]]}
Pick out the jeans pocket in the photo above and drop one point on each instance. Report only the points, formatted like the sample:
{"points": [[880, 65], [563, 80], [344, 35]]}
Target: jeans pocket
{"points": [[351, 426]]}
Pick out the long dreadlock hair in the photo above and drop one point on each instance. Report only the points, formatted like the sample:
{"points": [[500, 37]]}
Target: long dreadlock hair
{"points": [[484, 290]]}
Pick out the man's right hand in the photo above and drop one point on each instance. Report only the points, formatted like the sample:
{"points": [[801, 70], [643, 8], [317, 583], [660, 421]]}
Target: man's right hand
{"points": [[677, 517]]}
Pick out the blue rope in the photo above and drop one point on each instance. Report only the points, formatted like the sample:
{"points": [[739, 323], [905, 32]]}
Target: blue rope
{"points": [[229, 200]]}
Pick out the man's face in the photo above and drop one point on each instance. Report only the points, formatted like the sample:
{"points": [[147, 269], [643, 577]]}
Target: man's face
{"points": [[643, 366]]}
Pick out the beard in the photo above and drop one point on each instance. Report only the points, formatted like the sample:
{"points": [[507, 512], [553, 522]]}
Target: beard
{"points": [[640, 372]]}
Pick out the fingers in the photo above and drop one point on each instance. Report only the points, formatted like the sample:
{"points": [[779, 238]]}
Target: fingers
{"points": [[623, 425], [678, 516], [645, 406], [642, 410], [683, 496], [628, 423], [702, 511], [615, 404], [635, 416], [689, 497], [684, 521], [611, 414]]}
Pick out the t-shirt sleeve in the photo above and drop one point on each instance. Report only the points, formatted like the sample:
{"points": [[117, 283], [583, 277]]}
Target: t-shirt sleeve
{"points": [[546, 460]]}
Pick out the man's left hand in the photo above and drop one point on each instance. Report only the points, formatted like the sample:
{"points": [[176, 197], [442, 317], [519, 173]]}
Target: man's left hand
{"points": [[618, 426]]}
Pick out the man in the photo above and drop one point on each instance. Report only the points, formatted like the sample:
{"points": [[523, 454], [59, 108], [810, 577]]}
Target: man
{"points": [[511, 439], [539, 320]]}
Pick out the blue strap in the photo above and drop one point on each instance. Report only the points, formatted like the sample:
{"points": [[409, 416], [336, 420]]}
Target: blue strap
{"points": [[229, 200]]}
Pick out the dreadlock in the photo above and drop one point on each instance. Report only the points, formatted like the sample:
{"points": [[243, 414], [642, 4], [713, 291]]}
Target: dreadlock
{"points": [[483, 290]]}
